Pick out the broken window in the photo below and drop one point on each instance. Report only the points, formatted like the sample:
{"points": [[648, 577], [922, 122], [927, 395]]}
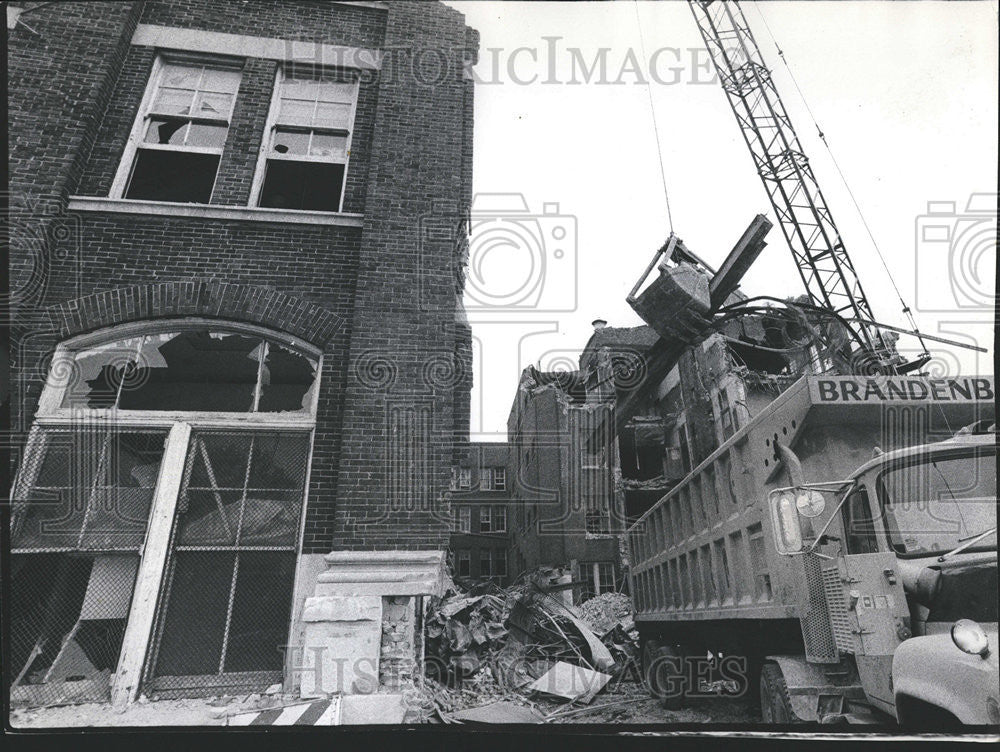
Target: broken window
{"points": [[179, 135], [228, 598], [91, 482], [198, 369], [80, 516], [307, 143]]}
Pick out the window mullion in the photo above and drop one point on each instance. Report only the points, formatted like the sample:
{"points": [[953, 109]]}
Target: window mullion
{"points": [[258, 388], [139, 626]]}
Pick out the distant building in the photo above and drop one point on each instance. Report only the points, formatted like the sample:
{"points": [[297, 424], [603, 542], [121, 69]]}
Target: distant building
{"points": [[565, 512], [480, 502]]}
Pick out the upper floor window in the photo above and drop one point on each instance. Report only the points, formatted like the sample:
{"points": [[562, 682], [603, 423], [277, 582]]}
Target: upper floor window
{"points": [[461, 478], [492, 479], [177, 140], [303, 162]]}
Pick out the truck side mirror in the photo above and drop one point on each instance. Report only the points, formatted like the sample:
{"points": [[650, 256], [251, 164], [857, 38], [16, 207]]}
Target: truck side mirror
{"points": [[785, 521], [788, 506]]}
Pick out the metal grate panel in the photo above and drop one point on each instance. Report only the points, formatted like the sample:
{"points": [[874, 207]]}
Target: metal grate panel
{"points": [[821, 646], [836, 605]]}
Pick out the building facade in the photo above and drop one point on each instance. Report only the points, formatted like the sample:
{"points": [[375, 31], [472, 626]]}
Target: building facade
{"points": [[480, 501], [240, 363], [565, 512]]}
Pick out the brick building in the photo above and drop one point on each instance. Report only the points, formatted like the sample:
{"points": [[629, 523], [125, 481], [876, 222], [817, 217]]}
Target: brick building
{"points": [[480, 500], [240, 363], [565, 512]]}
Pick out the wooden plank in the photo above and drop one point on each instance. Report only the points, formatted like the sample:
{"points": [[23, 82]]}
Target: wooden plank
{"points": [[138, 632]]}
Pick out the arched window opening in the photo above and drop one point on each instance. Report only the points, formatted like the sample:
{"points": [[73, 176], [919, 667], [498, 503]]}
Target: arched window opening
{"points": [[170, 456]]}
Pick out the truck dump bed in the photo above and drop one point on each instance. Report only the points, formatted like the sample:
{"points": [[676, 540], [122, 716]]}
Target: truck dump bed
{"points": [[705, 550]]}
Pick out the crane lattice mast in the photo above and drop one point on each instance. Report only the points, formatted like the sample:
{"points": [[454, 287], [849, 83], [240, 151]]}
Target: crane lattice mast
{"points": [[805, 219]]}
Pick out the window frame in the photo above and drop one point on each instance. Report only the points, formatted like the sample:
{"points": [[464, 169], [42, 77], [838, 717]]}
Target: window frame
{"points": [[182, 426], [498, 478], [271, 124], [498, 518], [486, 519], [464, 519], [51, 412], [134, 141], [463, 554]]}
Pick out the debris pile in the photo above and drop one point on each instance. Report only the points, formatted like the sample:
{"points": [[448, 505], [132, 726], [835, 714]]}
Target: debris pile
{"points": [[499, 652]]}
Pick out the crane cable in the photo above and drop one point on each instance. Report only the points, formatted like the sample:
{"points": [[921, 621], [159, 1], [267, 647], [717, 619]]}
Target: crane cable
{"points": [[843, 179], [656, 130]]}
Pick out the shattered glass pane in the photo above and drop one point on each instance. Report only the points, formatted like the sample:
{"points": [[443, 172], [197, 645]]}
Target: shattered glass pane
{"points": [[93, 490], [290, 142], [161, 131], [212, 105], [287, 381], [194, 370], [123, 495], [97, 372]]}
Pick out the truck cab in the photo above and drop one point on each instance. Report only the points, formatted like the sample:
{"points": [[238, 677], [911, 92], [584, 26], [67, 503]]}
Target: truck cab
{"points": [[909, 573]]}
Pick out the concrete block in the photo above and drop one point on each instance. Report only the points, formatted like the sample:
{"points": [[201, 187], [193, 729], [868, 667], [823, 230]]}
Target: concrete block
{"points": [[341, 645]]}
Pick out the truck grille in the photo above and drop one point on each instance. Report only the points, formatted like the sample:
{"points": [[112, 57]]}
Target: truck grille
{"points": [[837, 607]]}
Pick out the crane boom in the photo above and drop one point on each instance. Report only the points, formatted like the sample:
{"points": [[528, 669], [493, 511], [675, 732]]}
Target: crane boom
{"points": [[805, 219]]}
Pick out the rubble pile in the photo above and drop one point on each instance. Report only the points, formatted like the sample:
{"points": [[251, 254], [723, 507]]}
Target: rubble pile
{"points": [[501, 651]]}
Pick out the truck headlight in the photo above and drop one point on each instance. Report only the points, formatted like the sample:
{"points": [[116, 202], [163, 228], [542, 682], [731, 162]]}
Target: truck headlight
{"points": [[970, 638]]}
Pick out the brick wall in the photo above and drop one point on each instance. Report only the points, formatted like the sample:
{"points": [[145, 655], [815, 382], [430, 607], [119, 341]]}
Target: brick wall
{"points": [[395, 379]]}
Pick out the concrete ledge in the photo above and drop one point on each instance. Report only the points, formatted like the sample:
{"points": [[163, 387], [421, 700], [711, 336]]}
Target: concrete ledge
{"points": [[382, 573], [244, 45], [211, 211]]}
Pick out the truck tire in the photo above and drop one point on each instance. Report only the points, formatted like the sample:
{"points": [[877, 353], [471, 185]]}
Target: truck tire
{"points": [[663, 671], [775, 704]]}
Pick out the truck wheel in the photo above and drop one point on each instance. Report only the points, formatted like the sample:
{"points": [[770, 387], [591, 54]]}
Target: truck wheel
{"points": [[775, 705], [663, 669]]}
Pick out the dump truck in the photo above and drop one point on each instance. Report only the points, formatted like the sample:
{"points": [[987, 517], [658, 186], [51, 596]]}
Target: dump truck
{"points": [[836, 555]]}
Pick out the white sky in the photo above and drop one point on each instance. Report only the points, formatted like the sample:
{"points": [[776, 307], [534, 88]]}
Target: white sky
{"points": [[906, 93]]}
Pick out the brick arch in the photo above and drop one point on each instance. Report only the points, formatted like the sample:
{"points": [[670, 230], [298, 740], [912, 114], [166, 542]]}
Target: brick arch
{"points": [[252, 304]]}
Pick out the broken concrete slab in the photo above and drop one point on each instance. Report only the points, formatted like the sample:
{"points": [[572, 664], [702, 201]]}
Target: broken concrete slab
{"points": [[571, 682]]}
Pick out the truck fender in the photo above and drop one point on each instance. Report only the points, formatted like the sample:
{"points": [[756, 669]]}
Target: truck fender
{"points": [[809, 689]]}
